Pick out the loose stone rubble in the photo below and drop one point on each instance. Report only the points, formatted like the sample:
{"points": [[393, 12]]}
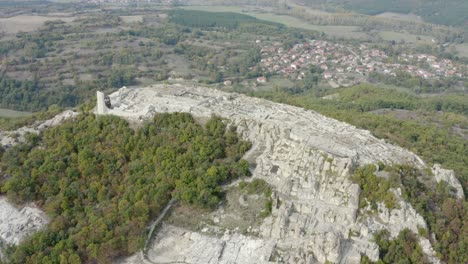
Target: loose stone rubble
{"points": [[17, 223], [306, 157]]}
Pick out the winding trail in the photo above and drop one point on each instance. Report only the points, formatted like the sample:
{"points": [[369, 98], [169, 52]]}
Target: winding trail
{"points": [[144, 251]]}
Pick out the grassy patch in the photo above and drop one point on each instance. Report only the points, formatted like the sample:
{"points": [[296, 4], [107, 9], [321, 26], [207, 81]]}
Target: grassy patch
{"points": [[374, 189], [26, 23], [462, 50], [244, 208], [275, 83], [259, 186], [406, 37], [13, 114], [131, 19]]}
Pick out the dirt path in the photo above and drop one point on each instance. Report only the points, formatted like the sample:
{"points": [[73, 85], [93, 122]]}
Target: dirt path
{"points": [[144, 252]]}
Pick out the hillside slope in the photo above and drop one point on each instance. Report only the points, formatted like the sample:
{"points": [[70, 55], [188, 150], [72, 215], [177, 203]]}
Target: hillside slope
{"points": [[446, 12], [318, 212], [307, 159]]}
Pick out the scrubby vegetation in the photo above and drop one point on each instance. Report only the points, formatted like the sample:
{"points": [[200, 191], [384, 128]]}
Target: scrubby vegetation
{"points": [[369, 97], [260, 187], [417, 84], [403, 249], [257, 186], [101, 182], [374, 189], [444, 214]]}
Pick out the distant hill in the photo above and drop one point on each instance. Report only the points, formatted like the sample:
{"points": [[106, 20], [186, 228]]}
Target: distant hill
{"points": [[446, 12]]}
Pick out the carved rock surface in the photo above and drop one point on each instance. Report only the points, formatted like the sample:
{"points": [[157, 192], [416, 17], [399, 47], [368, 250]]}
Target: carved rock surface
{"points": [[305, 156]]}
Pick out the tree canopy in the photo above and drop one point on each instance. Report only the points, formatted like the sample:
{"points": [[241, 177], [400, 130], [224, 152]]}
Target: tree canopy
{"points": [[101, 182]]}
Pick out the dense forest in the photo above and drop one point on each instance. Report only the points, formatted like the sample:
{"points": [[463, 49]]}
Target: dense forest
{"points": [[210, 19], [31, 95], [101, 182]]}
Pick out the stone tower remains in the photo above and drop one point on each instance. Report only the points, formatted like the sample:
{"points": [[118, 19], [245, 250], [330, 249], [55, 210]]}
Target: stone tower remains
{"points": [[101, 103]]}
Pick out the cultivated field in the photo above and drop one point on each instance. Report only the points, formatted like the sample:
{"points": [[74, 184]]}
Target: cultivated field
{"points": [[131, 19], [275, 83], [27, 23], [462, 50], [352, 32], [406, 37], [400, 16]]}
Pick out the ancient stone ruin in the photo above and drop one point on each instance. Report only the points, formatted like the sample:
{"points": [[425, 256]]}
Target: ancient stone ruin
{"points": [[306, 157]]}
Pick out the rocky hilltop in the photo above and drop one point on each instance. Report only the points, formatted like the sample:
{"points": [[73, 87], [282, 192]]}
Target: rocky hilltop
{"points": [[307, 158]]}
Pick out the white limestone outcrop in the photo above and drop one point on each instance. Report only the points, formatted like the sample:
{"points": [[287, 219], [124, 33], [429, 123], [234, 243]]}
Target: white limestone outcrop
{"points": [[448, 176], [18, 223], [11, 138], [395, 220], [306, 157]]}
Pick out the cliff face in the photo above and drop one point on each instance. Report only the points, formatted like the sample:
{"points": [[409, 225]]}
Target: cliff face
{"points": [[307, 158]]}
